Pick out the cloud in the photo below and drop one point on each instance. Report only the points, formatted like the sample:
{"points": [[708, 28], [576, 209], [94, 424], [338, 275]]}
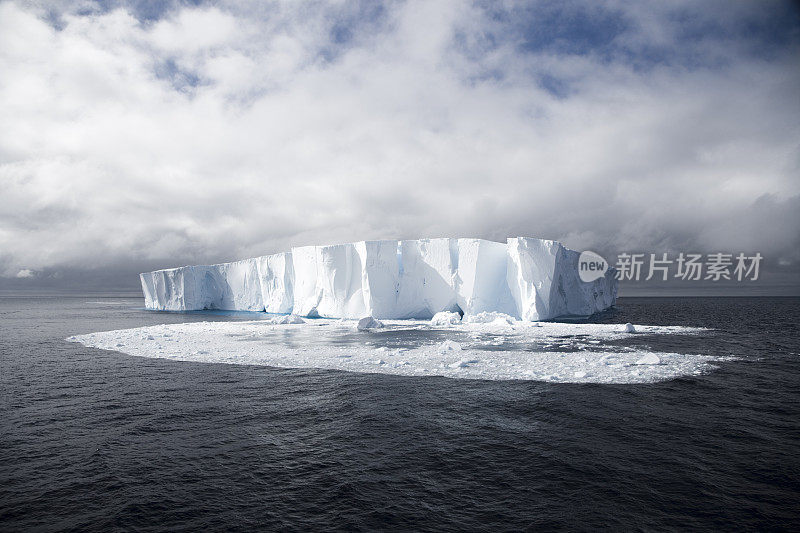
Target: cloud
{"points": [[200, 134]]}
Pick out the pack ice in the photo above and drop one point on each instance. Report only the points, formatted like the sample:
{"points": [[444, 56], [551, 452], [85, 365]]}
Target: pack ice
{"points": [[526, 278]]}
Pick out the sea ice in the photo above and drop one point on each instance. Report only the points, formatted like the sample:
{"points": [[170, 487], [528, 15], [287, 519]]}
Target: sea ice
{"points": [[557, 352]]}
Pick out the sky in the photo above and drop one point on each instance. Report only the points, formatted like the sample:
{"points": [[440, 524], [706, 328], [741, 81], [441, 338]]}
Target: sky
{"points": [[143, 135]]}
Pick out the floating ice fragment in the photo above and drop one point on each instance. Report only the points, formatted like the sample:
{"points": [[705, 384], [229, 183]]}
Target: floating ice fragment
{"points": [[445, 318], [288, 319], [368, 323], [580, 374], [449, 346], [462, 363], [649, 359], [629, 328]]}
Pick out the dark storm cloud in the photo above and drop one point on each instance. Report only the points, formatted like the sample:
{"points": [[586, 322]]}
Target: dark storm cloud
{"points": [[144, 135]]}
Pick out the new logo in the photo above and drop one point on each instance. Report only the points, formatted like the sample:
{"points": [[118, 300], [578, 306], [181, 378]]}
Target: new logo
{"points": [[591, 266]]}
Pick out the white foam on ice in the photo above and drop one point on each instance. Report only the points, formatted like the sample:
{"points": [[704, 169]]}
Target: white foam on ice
{"points": [[494, 350]]}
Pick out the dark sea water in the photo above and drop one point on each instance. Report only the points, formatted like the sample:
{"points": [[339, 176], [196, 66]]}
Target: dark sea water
{"points": [[93, 440]]}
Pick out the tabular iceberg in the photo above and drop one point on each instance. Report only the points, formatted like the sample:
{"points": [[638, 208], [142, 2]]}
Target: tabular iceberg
{"points": [[529, 279]]}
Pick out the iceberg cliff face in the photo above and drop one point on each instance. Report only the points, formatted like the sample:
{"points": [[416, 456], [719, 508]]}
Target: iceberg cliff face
{"points": [[169, 290], [530, 279], [234, 285], [332, 281], [427, 271], [544, 282], [276, 279], [482, 277]]}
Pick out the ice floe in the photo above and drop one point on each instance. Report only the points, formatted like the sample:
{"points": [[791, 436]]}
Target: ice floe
{"points": [[497, 348]]}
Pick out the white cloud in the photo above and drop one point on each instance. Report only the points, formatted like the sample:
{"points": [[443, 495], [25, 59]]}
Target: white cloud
{"points": [[214, 134], [195, 30]]}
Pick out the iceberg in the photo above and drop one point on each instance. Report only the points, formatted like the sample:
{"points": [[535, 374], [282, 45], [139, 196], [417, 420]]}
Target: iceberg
{"points": [[545, 283], [234, 286], [525, 278]]}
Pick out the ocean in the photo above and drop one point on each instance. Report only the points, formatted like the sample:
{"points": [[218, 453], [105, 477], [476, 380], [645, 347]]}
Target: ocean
{"points": [[95, 440]]}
